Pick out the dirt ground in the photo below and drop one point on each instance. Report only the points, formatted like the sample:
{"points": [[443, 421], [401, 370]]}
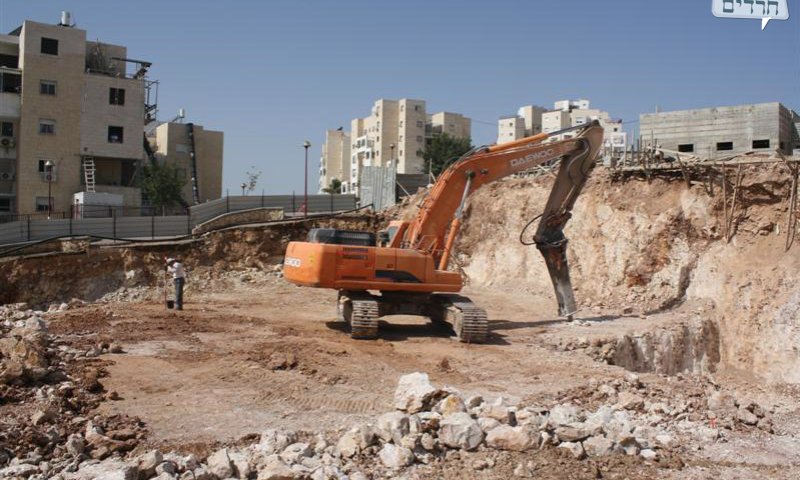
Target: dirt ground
{"points": [[662, 293], [266, 354]]}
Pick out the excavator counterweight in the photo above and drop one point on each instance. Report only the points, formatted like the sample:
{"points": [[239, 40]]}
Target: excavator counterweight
{"points": [[407, 263]]}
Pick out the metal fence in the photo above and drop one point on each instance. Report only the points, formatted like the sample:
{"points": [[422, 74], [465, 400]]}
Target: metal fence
{"points": [[153, 223]]}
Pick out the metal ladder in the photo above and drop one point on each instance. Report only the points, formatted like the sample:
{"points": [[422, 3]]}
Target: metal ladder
{"points": [[89, 170]]}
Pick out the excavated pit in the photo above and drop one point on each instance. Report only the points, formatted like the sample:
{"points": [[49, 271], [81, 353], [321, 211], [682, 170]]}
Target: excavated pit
{"points": [[655, 247], [634, 246]]}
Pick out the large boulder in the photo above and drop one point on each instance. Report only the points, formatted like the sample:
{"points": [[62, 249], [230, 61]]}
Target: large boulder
{"points": [[395, 457], [147, 463], [415, 393], [460, 430], [355, 440], [23, 356], [564, 415], [518, 439], [598, 446], [111, 469], [219, 463], [273, 468], [393, 426], [275, 441]]}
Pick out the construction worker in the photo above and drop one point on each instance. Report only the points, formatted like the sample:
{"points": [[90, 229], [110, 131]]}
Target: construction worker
{"points": [[179, 276]]}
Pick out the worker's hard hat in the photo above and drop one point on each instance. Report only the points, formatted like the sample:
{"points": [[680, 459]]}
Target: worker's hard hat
{"points": [[170, 260]]}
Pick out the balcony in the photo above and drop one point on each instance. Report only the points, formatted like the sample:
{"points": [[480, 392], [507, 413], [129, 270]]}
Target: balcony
{"points": [[10, 88]]}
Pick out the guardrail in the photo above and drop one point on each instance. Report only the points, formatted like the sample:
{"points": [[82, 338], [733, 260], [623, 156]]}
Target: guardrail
{"points": [[112, 222]]}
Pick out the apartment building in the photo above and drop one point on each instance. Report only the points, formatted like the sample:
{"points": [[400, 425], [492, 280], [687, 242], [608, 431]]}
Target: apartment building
{"points": [[453, 124], [72, 117], [393, 135], [335, 160], [527, 122], [573, 113], [69, 103], [531, 120], [196, 152]]}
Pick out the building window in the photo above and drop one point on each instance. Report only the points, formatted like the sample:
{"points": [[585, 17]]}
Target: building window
{"points": [[47, 127], [760, 144], [43, 203], [5, 205], [116, 96], [47, 87], [724, 146], [49, 46], [416, 108], [114, 134], [419, 123], [42, 168], [6, 129], [686, 147]]}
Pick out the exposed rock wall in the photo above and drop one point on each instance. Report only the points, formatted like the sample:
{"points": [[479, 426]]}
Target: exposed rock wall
{"points": [[654, 246]]}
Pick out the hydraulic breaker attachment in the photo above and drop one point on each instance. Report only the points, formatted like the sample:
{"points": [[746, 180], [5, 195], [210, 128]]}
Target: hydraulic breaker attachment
{"points": [[550, 240]]}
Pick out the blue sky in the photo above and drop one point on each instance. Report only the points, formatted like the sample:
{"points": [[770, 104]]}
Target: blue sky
{"points": [[271, 74]]}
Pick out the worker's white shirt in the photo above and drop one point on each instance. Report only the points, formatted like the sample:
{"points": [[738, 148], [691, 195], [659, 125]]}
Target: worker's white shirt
{"points": [[176, 269]]}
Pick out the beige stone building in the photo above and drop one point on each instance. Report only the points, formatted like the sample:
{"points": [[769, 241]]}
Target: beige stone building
{"points": [[573, 113], [531, 120], [171, 143], [527, 122], [79, 106], [394, 134], [335, 160], [453, 124]]}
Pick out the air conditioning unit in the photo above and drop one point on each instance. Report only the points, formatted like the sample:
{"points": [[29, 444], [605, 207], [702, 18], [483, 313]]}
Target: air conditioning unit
{"points": [[7, 142], [6, 176]]}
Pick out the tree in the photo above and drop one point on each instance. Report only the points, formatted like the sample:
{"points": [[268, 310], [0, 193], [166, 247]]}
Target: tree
{"points": [[442, 149], [252, 178], [162, 185], [334, 187]]}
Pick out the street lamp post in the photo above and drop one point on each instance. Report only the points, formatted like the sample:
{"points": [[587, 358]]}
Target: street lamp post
{"points": [[306, 144], [48, 167], [244, 185]]}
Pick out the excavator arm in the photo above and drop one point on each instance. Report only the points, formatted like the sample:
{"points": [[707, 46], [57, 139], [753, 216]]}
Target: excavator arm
{"points": [[433, 228]]}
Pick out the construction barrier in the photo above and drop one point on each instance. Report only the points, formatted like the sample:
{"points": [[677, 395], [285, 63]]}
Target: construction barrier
{"points": [[33, 228]]}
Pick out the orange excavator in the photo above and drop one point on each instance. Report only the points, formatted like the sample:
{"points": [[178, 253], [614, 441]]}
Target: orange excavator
{"points": [[403, 270]]}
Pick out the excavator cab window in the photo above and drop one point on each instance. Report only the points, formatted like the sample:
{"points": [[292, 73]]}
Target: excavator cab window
{"points": [[390, 233], [341, 237]]}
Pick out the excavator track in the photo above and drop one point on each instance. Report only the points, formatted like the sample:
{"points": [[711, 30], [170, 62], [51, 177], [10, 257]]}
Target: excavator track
{"points": [[361, 311], [470, 322]]}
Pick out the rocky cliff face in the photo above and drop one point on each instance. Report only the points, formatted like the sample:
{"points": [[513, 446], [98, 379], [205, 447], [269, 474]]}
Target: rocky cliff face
{"points": [[655, 246]]}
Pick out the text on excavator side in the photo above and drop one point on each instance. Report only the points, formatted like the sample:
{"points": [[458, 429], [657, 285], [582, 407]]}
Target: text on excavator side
{"points": [[530, 158]]}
